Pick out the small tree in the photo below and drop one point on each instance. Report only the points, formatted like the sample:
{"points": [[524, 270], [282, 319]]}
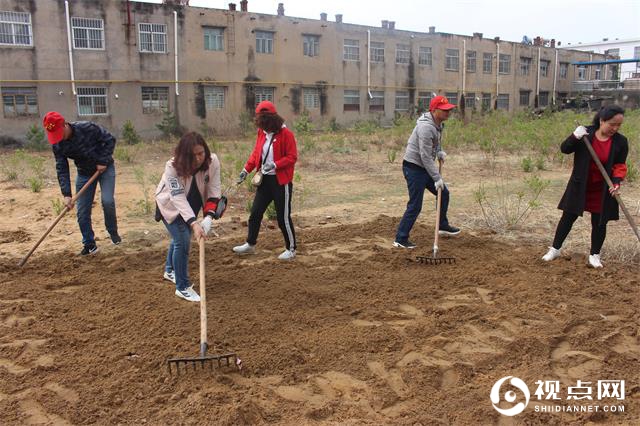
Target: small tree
{"points": [[129, 134], [169, 125], [35, 138]]}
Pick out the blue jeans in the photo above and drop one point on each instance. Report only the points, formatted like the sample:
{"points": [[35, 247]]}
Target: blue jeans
{"points": [[84, 203], [417, 181], [178, 253]]}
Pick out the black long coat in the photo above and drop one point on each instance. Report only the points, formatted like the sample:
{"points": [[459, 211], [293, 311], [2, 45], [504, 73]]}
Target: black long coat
{"points": [[574, 197]]}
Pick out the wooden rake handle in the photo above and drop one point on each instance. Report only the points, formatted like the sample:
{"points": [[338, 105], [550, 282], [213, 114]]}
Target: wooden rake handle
{"points": [[438, 205], [203, 301], [596, 160], [60, 216]]}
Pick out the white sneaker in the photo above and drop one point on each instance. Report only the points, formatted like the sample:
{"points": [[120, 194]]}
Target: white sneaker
{"points": [[594, 261], [245, 248], [170, 276], [287, 255], [188, 294], [551, 254]]}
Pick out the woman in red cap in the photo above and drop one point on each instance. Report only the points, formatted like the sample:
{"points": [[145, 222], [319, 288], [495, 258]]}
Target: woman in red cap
{"points": [[274, 157]]}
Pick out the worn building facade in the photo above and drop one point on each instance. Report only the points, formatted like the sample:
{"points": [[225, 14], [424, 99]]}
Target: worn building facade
{"points": [[111, 61]]}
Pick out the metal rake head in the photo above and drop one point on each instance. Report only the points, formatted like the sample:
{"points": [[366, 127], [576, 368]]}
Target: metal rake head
{"points": [[426, 260], [225, 360]]}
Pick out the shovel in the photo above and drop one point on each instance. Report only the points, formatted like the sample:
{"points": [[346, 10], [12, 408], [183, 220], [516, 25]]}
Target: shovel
{"points": [[435, 260], [57, 219], [203, 360], [604, 174]]}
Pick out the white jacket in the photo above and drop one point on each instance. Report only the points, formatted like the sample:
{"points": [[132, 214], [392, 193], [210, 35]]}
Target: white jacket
{"points": [[171, 193]]}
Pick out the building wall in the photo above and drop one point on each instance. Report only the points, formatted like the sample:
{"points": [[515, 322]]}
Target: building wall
{"points": [[123, 70], [628, 50]]}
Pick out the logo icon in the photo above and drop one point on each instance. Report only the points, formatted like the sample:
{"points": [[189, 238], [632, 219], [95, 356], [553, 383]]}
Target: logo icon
{"points": [[510, 396]]}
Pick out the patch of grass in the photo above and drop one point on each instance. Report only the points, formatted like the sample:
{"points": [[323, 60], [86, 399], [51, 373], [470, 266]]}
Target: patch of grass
{"points": [[527, 164], [35, 183], [123, 154], [57, 206]]}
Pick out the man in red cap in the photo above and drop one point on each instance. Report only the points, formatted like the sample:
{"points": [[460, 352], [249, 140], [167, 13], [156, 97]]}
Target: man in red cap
{"points": [[91, 147], [420, 170]]}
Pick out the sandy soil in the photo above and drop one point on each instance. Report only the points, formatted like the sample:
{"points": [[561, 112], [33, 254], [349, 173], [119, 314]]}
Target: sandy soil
{"points": [[351, 332]]}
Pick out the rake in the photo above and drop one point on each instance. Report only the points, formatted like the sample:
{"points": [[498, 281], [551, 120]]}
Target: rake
{"points": [[204, 360], [435, 260]]}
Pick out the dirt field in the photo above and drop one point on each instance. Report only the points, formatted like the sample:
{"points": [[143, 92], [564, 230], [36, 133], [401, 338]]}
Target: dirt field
{"points": [[351, 332]]}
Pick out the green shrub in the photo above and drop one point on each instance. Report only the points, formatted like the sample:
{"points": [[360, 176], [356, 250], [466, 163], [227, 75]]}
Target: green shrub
{"points": [[632, 172], [129, 134], [527, 165], [169, 125], [57, 205], [35, 183], [36, 139], [303, 124], [540, 163], [391, 155], [122, 153]]}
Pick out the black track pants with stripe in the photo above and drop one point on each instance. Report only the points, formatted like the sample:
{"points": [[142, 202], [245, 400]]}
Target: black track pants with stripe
{"points": [[281, 195]]}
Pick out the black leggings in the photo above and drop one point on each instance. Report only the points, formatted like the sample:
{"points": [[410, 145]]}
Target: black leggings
{"points": [[598, 231]]}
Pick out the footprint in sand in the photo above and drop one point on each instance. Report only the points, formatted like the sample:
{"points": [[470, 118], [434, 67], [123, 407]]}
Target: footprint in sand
{"points": [[569, 364]]}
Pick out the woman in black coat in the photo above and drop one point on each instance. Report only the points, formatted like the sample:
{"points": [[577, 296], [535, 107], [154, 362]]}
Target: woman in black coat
{"points": [[587, 189]]}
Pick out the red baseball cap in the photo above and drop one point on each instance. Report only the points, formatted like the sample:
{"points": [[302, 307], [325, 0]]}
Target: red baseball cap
{"points": [[266, 106], [53, 123], [440, 102]]}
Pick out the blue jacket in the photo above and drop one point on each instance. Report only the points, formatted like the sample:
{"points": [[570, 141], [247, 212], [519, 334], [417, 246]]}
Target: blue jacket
{"points": [[89, 145]]}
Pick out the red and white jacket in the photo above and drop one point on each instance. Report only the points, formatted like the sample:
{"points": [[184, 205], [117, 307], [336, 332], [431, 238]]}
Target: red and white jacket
{"points": [[285, 154], [171, 194]]}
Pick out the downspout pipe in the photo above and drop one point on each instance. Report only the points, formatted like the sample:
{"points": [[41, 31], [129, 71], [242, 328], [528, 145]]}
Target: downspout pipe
{"points": [[175, 48], [73, 78], [497, 73], [538, 78], [369, 64], [555, 78], [464, 65]]}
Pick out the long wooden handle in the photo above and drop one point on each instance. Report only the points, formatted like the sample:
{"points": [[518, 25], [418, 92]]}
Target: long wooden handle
{"points": [[203, 301], [60, 216], [438, 204], [596, 160]]}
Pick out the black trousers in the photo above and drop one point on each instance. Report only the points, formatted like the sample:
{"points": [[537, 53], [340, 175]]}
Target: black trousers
{"points": [[281, 195], [598, 231]]}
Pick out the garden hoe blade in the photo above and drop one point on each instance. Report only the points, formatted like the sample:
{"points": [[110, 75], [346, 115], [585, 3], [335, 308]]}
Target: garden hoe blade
{"points": [[204, 360]]}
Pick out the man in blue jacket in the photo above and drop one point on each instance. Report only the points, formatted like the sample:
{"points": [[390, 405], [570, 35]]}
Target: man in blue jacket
{"points": [[91, 148]]}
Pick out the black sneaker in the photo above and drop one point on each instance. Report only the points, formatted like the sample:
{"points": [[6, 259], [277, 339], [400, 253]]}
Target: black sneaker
{"points": [[404, 244], [448, 230], [115, 239], [89, 249]]}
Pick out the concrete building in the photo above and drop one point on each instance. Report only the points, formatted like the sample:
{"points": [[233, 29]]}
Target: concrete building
{"points": [[110, 61]]}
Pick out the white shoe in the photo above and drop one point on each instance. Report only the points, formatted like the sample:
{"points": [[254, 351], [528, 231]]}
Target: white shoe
{"points": [[594, 261], [551, 254], [170, 276], [188, 294], [287, 255], [245, 248]]}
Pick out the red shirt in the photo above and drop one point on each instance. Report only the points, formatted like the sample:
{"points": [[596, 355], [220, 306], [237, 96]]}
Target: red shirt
{"points": [[285, 154], [595, 181]]}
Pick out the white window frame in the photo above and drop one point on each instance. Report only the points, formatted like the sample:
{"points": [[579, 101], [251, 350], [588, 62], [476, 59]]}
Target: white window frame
{"points": [[310, 45], [11, 23], [29, 105], [264, 93], [213, 37], [214, 97], [597, 72], [351, 50], [157, 38], [351, 100], [581, 72], [564, 70], [81, 25], [154, 99], [487, 59], [403, 54], [376, 51], [504, 64], [376, 103], [311, 97], [402, 100], [264, 42], [452, 60], [93, 94], [425, 56]]}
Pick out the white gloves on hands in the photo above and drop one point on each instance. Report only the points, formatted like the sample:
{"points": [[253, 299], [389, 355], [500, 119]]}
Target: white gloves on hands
{"points": [[439, 184], [206, 224], [441, 155], [268, 167], [579, 132]]}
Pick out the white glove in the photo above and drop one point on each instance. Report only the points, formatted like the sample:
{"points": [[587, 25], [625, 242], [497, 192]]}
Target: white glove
{"points": [[441, 155], [268, 167], [439, 184], [579, 132], [206, 224]]}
